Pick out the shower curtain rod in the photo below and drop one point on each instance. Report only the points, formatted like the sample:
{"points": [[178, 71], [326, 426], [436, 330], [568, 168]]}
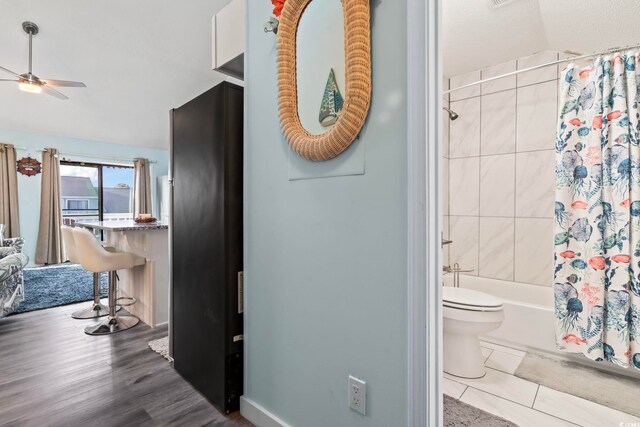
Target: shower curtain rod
{"points": [[86, 156], [536, 67]]}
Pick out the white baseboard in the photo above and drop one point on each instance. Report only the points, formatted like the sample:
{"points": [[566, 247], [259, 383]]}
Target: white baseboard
{"points": [[259, 415]]}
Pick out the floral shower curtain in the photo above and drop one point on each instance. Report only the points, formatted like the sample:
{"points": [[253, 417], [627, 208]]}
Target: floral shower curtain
{"points": [[597, 211]]}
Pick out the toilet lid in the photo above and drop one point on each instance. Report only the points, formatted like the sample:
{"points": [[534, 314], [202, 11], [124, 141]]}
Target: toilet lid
{"points": [[469, 299]]}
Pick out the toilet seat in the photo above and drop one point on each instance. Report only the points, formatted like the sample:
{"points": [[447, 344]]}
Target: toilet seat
{"points": [[469, 300]]}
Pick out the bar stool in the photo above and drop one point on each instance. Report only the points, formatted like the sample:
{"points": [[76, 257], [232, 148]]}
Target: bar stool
{"points": [[95, 258], [97, 309]]}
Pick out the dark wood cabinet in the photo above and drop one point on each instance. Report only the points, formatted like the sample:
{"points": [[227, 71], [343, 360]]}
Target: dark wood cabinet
{"points": [[206, 249]]}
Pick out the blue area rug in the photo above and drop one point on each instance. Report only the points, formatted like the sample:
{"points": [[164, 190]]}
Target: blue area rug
{"points": [[52, 286]]}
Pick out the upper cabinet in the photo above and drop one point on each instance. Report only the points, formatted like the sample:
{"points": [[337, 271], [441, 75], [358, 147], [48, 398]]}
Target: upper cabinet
{"points": [[228, 40]]}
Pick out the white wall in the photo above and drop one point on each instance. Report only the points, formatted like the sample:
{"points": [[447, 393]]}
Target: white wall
{"points": [[502, 172], [29, 186], [326, 259]]}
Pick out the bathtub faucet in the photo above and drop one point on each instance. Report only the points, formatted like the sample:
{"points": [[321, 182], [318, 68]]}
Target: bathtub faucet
{"points": [[456, 270]]}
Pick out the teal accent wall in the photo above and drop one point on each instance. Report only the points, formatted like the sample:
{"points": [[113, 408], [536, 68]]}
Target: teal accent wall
{"points": [[326, 258], [91, 151]]}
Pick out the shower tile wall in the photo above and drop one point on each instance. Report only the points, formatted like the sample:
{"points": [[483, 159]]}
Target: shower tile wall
{"points": [[501, 172], [445, 172]]}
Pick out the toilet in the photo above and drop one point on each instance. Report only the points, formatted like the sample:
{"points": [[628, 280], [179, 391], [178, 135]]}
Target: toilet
{"points": [[467, 315]]}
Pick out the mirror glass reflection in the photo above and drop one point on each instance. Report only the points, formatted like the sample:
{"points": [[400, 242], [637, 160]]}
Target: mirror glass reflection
{"points": [[320, 65]]}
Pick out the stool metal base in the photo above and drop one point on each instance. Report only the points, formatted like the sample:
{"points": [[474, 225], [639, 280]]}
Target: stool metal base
{"points": [[93, 312], [112, 324], [97, 309]]}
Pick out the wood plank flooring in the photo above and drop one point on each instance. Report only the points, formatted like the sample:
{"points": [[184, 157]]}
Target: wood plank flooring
{"points": [[53, 374]]}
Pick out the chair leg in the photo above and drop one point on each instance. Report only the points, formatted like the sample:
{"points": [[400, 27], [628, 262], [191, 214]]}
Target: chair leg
{"points": [[97, 309], [113, 323]]}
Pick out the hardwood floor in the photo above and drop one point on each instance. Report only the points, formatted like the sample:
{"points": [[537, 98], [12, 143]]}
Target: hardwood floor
{"points": [[53, 374]]}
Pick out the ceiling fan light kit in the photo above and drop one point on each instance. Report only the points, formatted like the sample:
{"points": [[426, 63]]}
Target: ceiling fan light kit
{"points": [[29, 82], [30, 87]]}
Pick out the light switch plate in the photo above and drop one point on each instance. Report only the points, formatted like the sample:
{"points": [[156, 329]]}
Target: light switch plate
{"points": [[357, 395]]}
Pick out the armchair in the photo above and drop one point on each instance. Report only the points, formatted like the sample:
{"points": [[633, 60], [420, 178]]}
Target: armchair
{"points": [[12, 264]]}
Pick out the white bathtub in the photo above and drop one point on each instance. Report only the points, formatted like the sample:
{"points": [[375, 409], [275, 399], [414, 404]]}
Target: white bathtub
{"points": [[529, 320]]}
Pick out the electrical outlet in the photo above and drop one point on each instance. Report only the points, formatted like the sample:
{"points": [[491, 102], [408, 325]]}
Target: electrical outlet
{"points": [[357, 395]]}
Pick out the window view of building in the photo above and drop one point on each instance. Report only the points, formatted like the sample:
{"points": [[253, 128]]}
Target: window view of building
{"points": [[79, 195], [94, 191]]}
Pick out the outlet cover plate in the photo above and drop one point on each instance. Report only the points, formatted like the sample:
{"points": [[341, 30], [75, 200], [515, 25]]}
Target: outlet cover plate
{"points": [[357, 395]]}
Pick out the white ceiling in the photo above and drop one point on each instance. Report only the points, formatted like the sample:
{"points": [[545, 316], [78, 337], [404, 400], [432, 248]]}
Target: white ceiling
{"points": [[477, 35], [138, 58]]}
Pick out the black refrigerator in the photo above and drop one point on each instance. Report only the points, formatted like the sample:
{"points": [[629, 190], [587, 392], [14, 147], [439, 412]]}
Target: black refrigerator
{"points": [[206, 244]]}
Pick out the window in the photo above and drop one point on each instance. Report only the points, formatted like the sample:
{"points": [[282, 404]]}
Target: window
{"points": [[96, 191], [77, 204]]}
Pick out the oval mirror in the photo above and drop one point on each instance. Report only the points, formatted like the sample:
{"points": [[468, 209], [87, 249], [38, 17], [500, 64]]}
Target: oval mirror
{"points": [[324, 74], [320, 65]]}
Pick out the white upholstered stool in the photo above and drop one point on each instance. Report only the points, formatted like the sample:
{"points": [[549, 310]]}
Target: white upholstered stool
{"points": [[97, 309], [95, 258]]}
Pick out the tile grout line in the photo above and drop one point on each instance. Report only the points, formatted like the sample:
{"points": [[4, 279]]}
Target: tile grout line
{"points": [[466, 387], [499, 91], [503, 154], [535, 397], [449, 122], [479, 177], [515, 184], [512, 401]]}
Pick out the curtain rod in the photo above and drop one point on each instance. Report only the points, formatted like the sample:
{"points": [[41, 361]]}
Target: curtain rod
{"points": [[86, 156], [536, 67]]}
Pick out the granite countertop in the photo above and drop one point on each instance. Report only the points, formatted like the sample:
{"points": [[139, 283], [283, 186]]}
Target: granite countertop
{"points": [[122, 225]]}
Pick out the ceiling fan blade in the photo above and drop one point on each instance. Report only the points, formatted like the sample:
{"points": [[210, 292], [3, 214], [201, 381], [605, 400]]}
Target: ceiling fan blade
{"points": [[9, 71], [9, 80], [64, 83], [54, 92]]}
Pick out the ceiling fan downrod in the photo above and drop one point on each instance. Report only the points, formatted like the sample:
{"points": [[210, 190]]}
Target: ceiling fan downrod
{"points": [[31, 29]]}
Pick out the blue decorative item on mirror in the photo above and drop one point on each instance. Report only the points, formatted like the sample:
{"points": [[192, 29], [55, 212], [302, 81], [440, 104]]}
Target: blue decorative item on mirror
{"points": [[332, 102]]}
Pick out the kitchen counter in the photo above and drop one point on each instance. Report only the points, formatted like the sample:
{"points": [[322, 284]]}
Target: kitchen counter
{"points": [[122, 225], [148, 283]]}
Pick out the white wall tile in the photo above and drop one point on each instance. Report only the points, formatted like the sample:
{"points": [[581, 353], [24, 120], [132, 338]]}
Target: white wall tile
{"points": [[496, 248], [445, 185], [464, 133], [537, 117], [464, 249], [579, 411], [464, 186], [446, 123], [445, 86], [498, 123], [535, 184], [518, 414], [541, 74], [446, 235], [497, 185], [534, 251], [501, 171], [500, 84], [462, 80]]}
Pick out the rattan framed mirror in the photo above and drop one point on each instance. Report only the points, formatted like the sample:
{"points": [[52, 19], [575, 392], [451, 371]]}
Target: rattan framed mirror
{"points": [[357, 95]]}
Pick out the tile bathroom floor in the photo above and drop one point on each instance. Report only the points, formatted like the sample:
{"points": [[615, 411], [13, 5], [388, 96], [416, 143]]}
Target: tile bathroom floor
{"points": [[525, 403]]}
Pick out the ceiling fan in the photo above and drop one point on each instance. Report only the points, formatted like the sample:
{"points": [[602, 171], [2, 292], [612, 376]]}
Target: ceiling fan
{"points": [[29, 82]]}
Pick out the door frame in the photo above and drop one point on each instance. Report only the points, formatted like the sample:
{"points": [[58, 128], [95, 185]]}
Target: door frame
{"points": [[424, 186]]}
